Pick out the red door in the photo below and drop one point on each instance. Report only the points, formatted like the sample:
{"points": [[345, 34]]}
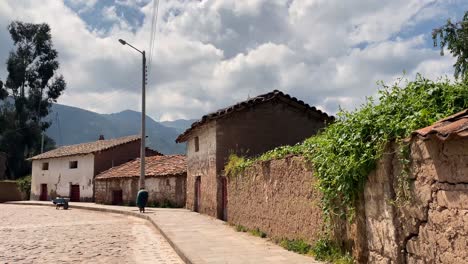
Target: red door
{"points": [[43, 196], [197, 194], [74, 193]]}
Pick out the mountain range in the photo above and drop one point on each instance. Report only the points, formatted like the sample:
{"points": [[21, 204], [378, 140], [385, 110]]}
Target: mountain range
{"points": [[72, 125]]}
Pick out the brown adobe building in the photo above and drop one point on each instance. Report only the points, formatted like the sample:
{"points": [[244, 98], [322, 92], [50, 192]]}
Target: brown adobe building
{"points": [[165, 178], [247, 128]]}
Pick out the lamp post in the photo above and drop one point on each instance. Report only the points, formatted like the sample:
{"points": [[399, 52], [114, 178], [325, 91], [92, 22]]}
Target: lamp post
{"points": [[143, 116]]}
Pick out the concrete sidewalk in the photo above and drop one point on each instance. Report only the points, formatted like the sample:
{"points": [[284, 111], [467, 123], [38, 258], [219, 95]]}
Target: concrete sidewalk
{"points": [[201, 239]]}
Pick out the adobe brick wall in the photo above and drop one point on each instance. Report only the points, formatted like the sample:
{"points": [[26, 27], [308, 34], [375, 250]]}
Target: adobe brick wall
{"points": [[9, 191], [203, 164], [278, 198], [112, 157], [254, 131], [171, 188], [433, 226], [3, 161]]}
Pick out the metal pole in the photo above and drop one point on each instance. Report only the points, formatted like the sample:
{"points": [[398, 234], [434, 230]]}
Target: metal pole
{"points": [[143, 117]]}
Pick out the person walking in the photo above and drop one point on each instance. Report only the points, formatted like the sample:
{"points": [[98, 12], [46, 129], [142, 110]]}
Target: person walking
{"points": [[142, 199]]}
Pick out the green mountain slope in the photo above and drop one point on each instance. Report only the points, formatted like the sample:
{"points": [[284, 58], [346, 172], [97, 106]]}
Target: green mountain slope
{"points": [[72, 125]]}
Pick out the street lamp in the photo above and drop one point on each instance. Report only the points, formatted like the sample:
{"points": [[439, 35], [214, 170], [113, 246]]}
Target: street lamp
{"points": [[143, 116]]}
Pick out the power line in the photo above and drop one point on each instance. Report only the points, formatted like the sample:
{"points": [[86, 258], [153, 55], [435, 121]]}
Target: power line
{"points": [[154, 23]]}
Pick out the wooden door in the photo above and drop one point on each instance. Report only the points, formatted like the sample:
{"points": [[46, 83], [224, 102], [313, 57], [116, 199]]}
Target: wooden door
{"points": [[117, 197], [74, 193], [224, 198], [43, 195], [197, 193]]}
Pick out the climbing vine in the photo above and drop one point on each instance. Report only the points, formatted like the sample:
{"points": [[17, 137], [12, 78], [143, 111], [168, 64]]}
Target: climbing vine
{"points": [[346, 152]]}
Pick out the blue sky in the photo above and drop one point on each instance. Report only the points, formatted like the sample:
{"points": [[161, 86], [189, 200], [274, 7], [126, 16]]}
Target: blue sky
{"points": [[213, 53]]}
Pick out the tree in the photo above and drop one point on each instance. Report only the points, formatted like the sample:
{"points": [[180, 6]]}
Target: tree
{"points": [[31, 87], [454, 36]]}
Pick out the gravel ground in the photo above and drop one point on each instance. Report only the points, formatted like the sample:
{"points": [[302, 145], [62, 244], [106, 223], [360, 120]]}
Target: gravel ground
{"points": [[37, 234]]}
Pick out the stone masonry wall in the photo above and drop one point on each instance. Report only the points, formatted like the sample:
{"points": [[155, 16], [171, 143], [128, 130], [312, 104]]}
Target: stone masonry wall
{"points": [[278, 198]]}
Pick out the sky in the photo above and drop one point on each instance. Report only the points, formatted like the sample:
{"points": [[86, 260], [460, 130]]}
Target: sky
{"points": [[209, 54]]}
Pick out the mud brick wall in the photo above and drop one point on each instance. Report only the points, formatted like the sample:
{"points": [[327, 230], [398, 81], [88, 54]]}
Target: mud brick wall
{"points": [[433, 226], [160, 189], [278, 198], [202, 163], [9, 191]]}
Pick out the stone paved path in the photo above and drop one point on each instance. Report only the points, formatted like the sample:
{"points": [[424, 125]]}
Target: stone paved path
{"points": [[33, 234], [201, 239]]}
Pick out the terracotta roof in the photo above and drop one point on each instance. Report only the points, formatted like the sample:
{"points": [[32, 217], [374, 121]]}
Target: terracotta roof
{"points": [[85, 148], [453, 126], [154, 166], [263, 98]]}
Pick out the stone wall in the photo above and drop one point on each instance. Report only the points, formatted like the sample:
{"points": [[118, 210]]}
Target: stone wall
{"points": [[161, 189], [278, 198], [9, 191]]}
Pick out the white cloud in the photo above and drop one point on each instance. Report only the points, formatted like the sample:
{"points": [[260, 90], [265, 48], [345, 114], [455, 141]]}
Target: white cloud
{"points": [[212, 53]]}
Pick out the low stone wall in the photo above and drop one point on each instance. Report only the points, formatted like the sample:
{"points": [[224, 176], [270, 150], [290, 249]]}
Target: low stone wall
{"points": [[161, 189], [9, 191], [278, 198]]}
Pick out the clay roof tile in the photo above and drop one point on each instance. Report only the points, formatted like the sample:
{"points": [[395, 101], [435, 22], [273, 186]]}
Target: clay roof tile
{"points": [[85, 148], [155, 166], [452, 126]]}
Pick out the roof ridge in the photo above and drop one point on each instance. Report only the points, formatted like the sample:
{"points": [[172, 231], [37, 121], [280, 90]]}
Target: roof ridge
{"points": [[86, 147], [259, 99]]}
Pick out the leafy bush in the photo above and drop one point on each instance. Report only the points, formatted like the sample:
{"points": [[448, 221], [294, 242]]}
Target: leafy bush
{"points": [[326, 250], [24, 185], [298, 246], [346, 152], [236, 165]]}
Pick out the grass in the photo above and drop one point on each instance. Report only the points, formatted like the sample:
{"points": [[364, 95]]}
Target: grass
{"points": [[258, 233], [241, 228]]}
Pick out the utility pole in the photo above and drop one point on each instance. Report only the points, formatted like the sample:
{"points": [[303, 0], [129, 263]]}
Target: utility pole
{"points": [[143, 126], [141, 182]]}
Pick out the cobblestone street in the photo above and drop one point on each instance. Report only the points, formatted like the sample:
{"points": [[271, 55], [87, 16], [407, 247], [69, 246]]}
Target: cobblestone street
{"points": [[36, 234]]}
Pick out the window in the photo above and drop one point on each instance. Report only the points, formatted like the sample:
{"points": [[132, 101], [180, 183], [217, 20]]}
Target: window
{"points": [[45, 166], [73, 164], [197, 144]]}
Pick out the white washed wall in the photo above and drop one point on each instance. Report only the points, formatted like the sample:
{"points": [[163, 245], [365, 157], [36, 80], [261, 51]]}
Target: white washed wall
{"points": [[59, 176]]}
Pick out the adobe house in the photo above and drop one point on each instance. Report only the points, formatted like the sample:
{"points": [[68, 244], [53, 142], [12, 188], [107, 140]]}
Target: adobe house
{"points": [[247, 128], [165, 178], [69, 171]]}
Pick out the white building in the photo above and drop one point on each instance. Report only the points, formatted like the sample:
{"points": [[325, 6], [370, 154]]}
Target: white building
{"points": [[69, 171]]}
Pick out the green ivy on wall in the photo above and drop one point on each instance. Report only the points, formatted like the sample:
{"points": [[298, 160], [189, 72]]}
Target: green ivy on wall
{"points": [[346, 152]]}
